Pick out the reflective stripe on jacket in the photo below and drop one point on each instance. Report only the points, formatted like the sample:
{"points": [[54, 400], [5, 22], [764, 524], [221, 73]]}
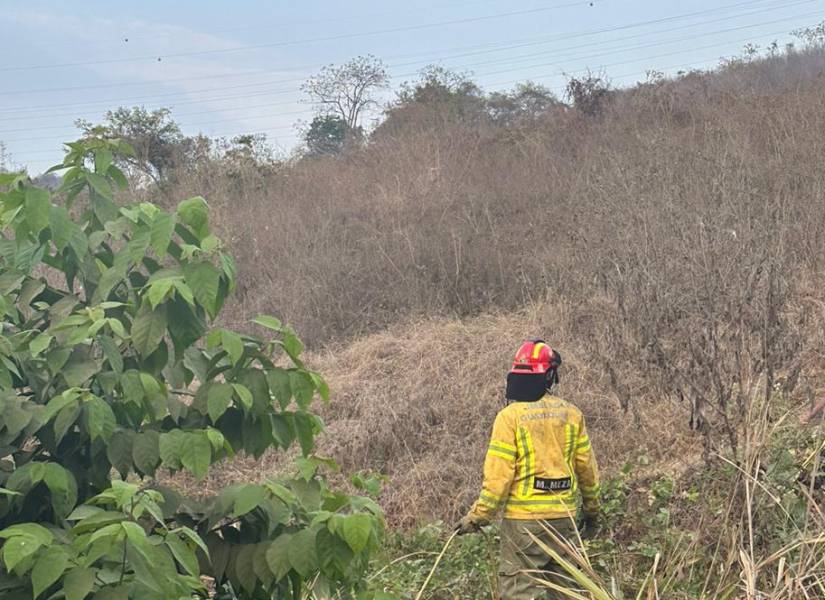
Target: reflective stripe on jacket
{"points": [[538, 461]]}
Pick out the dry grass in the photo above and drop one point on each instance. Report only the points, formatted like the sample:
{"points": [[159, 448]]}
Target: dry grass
{"points": [[416, 403], [670, 247]]}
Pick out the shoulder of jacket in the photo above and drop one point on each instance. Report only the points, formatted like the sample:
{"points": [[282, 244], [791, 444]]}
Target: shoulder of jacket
{"points": [[509, 411], [574, 411]]}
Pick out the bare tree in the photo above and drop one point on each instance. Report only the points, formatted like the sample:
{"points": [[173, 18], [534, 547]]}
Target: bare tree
{"points": [[347, 90]]}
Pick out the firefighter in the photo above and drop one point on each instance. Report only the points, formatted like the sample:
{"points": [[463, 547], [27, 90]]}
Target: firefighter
{"points": [[538, 461]]}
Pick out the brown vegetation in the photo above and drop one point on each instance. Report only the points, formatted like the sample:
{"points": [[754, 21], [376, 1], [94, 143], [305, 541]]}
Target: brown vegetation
{"points": [[670, 244], [667, 239]]}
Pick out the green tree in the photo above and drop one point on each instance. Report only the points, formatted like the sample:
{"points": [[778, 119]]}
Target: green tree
{"points": [[439, 97], [158, 143], [111, 371], [328, 134]]}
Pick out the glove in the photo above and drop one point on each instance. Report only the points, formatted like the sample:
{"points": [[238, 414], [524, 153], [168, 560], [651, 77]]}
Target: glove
{"points": [[589, 526], [467, 525]]}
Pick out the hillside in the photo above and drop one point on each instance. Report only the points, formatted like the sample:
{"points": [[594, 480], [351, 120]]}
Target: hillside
{"points": [[670, 246]]}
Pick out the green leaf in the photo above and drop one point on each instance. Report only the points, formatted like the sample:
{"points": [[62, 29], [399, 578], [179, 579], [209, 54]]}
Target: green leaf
{"points": [[302, 388], [195, 214], [306, 426], [117, 327], [283, 430], [244, 395], [247, 498], [210, 243], [137, 538], [110, 278], [303, 554], [268, 322], [255, 382], [84, 511], [321, 386], [100, 420], [39, 344], [22, 542], [356, 531], [279, 384], [158, 290], [171, 445], [33, 531], [100, 185], [230, 269], [138, 244], [16, 416], [62, 488], [183, 554], [148, 328], [277, 556], [111, 351], [103, 160], [9, 178], [292, 344], [78, 370], [217, 439], [118, 177], [37, 205], [218, 399], [334, 553], [194, 538], [146, 451], [66, 418], [245, 567], [119, 451], [233, 344], [118, 592], [64, 230], [260, 566], [48, 569], [185, 292], [204, 281], [196, 454], [78, 583], [162, 227]]}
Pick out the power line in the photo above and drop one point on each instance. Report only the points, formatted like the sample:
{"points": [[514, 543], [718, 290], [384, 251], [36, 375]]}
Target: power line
{"points": [[654, 44], [126, 37], [281, 81], [509, 60], [299, 42], [556, 90], [523, 42]]}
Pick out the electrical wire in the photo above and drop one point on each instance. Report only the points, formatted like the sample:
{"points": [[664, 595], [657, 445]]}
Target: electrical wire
{"points": [[107, 102], [556, 90], [510, 60], [283, 44], [524, 42]]}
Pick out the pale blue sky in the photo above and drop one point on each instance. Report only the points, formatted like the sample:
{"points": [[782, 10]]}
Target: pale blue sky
{"points": [[235, 67]]}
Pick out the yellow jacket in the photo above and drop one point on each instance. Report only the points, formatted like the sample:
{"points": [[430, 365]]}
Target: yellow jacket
{"points": [[539, 457]]}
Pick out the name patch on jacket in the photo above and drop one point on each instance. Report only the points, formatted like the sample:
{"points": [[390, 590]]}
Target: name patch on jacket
{"points": [[552, 485]]}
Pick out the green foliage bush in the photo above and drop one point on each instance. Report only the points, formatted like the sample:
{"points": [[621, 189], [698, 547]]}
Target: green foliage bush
{"points": [[110, 371]]}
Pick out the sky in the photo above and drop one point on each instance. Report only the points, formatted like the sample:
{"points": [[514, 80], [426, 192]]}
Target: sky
{"points": [[227, 68]]}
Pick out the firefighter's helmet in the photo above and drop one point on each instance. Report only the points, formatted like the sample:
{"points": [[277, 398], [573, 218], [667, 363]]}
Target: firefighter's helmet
{"points": [[534, 371]]}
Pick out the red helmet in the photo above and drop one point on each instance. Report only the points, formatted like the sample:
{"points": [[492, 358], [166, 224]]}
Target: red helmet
{"points": [[534, 371], [535, 356]]}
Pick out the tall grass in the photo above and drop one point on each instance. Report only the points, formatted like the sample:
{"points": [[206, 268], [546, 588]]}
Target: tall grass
{"points": [[671, 246]]}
